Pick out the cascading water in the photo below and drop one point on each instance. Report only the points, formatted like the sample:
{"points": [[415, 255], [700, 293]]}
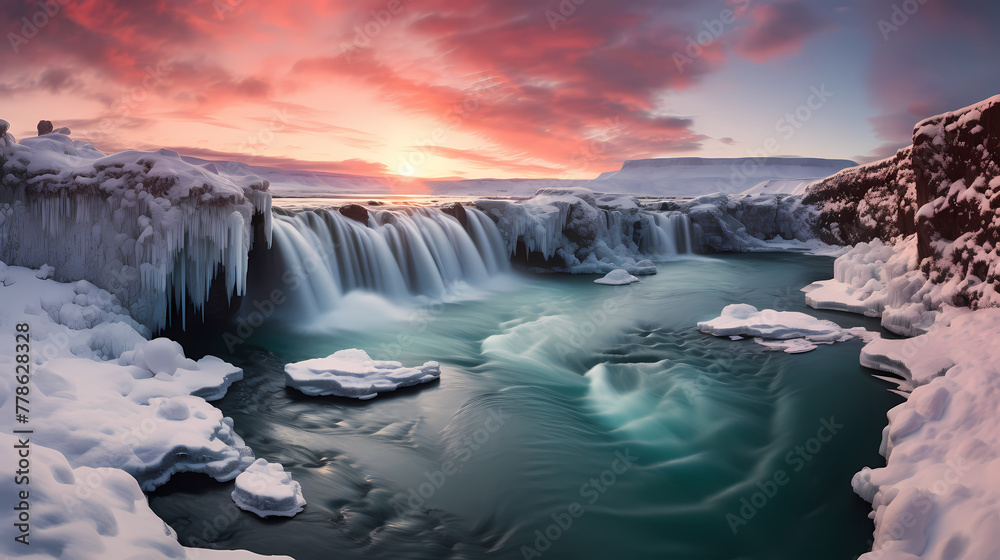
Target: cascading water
{"points": [[668, 234], [318, 256]]}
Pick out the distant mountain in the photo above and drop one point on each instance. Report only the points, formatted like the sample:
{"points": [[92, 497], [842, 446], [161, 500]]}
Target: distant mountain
{"points": [[679, 177], [693, 176]]}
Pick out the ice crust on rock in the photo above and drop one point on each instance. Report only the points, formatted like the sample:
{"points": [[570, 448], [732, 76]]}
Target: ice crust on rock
{"points": [[267, 489], [581, 231], [85, 513], [619, 277], [140, 224], [788, 331], [943, 190], [352, 373]]}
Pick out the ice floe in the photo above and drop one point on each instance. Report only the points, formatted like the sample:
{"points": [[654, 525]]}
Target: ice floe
{"points": [[787, 331], [352, 373], [267, 489], [619, 277]]}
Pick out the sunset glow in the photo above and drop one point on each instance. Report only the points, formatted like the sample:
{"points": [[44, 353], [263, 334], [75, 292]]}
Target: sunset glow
{"points": [[458, 88]]}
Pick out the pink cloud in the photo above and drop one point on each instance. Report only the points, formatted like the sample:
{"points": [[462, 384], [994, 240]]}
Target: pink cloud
{"points": [[778, 30]]}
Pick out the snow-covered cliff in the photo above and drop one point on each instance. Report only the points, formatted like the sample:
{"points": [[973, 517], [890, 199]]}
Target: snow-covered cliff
{"points": [[945, 189], [151, 228]]}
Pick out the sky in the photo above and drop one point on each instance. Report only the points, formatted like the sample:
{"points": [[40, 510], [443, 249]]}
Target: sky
{"points": [[497, 88]]}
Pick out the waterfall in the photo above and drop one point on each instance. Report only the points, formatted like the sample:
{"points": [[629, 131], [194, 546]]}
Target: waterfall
{"points": [[668, 234], [318, 256]]}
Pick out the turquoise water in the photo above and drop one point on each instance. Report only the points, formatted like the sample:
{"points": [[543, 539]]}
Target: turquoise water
{"points": [[571, 421]]}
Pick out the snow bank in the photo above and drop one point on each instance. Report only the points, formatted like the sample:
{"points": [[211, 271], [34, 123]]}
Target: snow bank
{"points": [[879, 280], [87, 514], [102, 414], [619, 277], [352, 373], [266, 489], [937, 496], [137, 413], [146, 226], [788, 331], [124, 412], [77, 319]]}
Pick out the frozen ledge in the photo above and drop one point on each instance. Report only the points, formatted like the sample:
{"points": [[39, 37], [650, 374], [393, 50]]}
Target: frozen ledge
{"points": [[85, 513]]}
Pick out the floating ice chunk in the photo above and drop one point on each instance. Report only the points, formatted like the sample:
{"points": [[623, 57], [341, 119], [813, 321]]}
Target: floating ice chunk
{"points": [[618, 277], [267, 489], [788, 331], [790, 346], [352, 373], [645, 267]]}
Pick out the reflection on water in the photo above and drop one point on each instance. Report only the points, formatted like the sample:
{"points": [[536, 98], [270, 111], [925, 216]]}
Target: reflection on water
{"points": [[571, 421]]}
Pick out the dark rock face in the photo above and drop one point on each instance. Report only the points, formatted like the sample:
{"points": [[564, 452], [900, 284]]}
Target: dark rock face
{"points": [[458, 211], [945, 188], [44, 127], [733, 223], [355, 212], [866, 202]]}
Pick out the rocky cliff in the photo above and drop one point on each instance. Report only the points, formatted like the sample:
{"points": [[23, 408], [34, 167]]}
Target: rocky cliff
{"points": [[945, 188]]}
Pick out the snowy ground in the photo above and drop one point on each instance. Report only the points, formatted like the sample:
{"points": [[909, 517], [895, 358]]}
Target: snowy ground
{"points": [[936, 497], [109, 413]]}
